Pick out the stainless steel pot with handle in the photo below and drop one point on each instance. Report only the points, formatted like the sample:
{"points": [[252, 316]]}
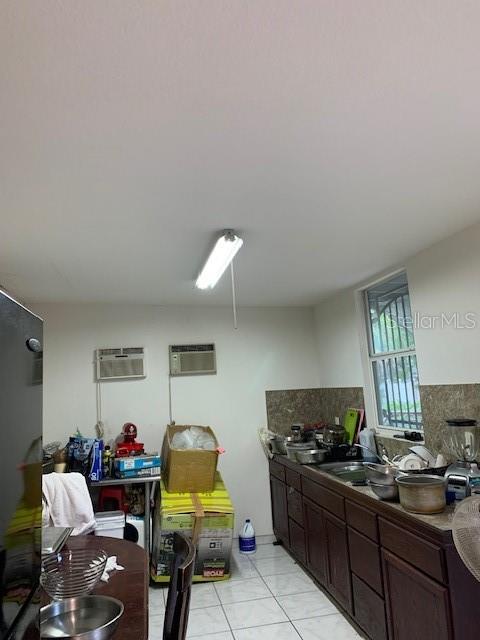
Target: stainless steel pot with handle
{"points": [[311, 456], [422, 493]]}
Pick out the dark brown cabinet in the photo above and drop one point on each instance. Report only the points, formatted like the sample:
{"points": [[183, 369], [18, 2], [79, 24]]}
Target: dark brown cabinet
{"points": [[417, 606], [279, 509], [396, 577], [297, 540], [338, 564], [295, 505], [365, 560], [315, 540], [369, 610]]}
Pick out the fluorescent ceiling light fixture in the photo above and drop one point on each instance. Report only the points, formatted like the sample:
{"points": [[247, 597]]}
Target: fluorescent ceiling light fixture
{"points": [[222, 254]]}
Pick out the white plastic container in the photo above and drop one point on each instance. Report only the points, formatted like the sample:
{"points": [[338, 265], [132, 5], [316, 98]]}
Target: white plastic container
{"points": [[139, 523], [246, 538], [367, 439], [110, 523]]}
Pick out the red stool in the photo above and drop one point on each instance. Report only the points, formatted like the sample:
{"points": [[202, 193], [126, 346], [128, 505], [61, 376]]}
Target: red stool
{"points": [[112, 499]]}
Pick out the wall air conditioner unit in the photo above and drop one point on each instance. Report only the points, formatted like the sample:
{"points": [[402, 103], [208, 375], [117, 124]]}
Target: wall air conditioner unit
{"points": [[121, 363], [192, 359]]}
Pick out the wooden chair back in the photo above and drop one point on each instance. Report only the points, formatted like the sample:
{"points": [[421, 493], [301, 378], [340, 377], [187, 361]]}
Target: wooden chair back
{"points": [[179, 590]]}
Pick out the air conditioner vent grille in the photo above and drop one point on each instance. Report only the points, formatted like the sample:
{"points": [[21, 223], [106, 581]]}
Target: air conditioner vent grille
{"points": [[192, 359], [191, 348], [117, 364], [109, 352]]}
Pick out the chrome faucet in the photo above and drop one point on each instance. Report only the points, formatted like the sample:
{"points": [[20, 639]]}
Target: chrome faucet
{"points": [[361, 446], [383, 450]]}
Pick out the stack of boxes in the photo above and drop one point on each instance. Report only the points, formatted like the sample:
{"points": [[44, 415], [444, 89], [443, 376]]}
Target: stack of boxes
{"points": [[193, 500]]}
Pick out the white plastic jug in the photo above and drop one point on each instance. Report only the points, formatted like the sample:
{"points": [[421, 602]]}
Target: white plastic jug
{"points": [[246, 538], [367, 439]]}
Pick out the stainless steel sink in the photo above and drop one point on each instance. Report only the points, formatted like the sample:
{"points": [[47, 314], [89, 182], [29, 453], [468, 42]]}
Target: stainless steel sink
{"points": [[345, 471]]}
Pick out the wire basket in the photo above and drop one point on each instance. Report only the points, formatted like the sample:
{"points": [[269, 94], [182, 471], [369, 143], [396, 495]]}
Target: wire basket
{"points": [[72, 573]]}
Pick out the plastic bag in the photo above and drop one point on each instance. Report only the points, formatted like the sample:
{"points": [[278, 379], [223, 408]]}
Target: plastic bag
{"points": [[193, 438]]}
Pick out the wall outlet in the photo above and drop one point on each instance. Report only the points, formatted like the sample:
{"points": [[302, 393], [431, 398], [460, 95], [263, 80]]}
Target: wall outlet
{"points": [[337, 420]]}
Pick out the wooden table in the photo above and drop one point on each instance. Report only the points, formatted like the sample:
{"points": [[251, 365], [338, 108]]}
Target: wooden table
{"points": [[129, 586]]}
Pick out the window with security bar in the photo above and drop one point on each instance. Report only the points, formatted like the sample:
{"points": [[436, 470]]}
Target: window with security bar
{"points": [[392, 354]]}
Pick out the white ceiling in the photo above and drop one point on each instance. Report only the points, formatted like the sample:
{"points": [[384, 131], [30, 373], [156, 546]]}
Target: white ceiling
{"points": [[337, 137]]}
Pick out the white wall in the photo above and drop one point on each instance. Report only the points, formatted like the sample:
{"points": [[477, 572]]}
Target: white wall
{"points": [[338, 343], [444, 278], [272, 349]]}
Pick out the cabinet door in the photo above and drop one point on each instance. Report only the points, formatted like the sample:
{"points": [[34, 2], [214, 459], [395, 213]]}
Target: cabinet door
{"points": [[279, 509], [369, 610], [417, 607], [315, 540], [297, 541], [339, 581], [295, 505]]}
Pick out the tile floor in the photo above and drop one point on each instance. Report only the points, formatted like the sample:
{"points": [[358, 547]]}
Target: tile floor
{"points": [[268, 597]]}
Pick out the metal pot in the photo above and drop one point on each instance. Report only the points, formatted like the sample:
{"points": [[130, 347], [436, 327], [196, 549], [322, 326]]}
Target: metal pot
{"points": [[334, 434], [294, 447], [422, 493], [278, 445], [310, 456]]}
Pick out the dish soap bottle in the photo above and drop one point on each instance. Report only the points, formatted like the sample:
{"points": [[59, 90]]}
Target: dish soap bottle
{"points": [[246, 538]]}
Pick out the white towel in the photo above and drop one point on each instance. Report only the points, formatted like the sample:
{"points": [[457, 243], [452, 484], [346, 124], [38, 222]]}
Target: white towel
{"points": [[69, 502]]}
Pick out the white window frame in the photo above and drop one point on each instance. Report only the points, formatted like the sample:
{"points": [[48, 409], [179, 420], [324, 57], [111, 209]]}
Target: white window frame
{"points": [[369, 389]]}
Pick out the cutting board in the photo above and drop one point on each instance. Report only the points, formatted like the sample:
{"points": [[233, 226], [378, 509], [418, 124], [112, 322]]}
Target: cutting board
{"points": [[350, 422]]}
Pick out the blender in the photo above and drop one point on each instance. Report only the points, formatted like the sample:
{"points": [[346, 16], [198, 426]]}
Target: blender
{"points": [[463, 438]]}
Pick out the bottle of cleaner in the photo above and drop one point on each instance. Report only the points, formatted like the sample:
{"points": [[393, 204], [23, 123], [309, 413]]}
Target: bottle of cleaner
{"points": [[246, 538]]}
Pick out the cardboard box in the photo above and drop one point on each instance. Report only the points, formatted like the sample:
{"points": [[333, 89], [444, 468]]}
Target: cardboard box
{"points": [[207, 518], [188, 470], [137, 466], [138, 473]]}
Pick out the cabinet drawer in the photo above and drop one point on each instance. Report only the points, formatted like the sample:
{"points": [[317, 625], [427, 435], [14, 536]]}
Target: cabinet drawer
{"points": [[324, 497], [365, 560], [293, 479], [297, 540], [369, 610], [295, 508], [277, 470], [420, 553], [362, 519]]}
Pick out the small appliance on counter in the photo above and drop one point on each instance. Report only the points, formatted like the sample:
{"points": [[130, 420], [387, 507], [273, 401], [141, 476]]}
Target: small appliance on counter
{"points": [[463, 438]]}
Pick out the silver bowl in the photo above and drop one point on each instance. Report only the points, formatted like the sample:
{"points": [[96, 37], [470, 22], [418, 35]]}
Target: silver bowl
{"points": [[82, 618], [384, 491], [310, 456], [381, 473]]}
